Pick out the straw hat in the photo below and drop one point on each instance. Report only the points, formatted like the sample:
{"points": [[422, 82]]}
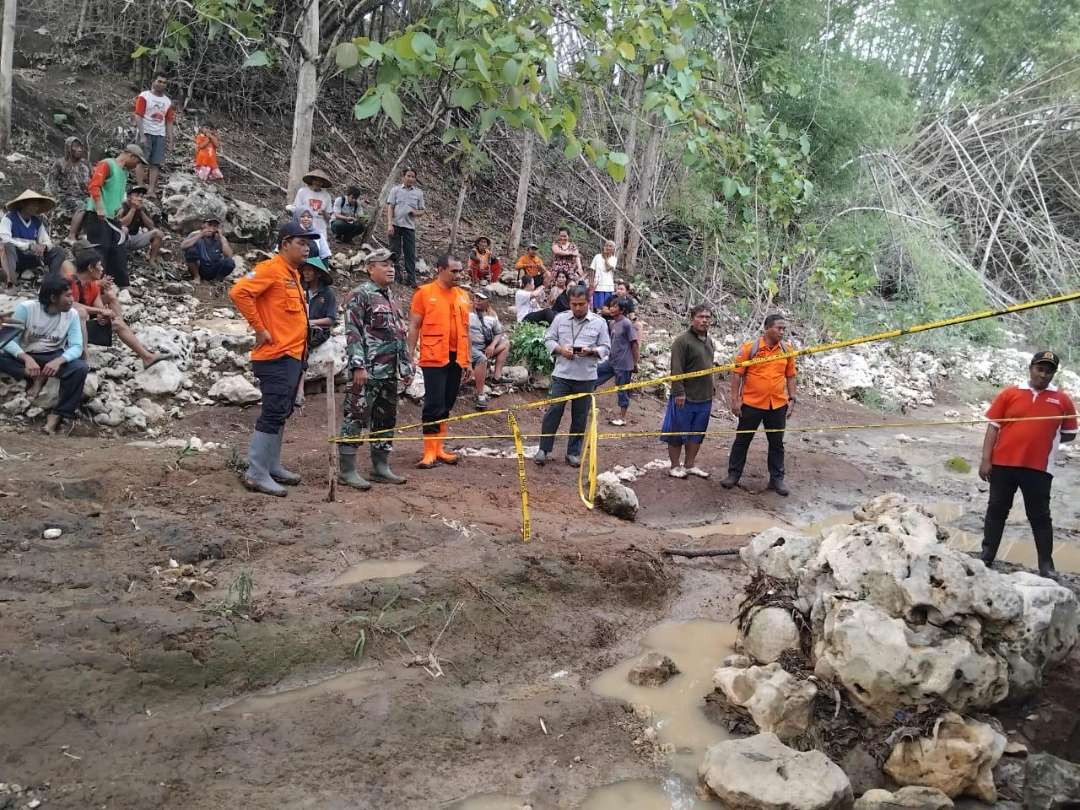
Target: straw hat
{"points": [[31, 196], [315, 174]]}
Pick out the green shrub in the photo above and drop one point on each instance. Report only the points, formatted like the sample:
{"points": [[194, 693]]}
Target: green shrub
{"points": [[958, 465], [527, 348]]}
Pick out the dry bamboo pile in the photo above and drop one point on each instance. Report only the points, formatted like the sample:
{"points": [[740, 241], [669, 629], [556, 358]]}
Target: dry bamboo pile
{"points": [[997, 188]]}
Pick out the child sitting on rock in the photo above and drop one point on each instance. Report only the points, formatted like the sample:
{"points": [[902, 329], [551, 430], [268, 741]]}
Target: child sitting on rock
{"points": [[206, 162]]}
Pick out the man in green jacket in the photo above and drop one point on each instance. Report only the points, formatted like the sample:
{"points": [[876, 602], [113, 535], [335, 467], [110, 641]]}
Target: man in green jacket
{"points": [[687, 417], [108, 190]]}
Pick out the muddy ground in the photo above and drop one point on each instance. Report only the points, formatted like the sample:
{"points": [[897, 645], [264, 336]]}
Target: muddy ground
{"points": [[118, 690]]}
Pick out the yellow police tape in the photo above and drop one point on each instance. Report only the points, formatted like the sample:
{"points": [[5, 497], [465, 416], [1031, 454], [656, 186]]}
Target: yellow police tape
{"points": [[591, 435]]}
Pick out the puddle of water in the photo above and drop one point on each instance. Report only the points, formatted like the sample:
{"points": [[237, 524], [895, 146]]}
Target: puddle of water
{"points": [[697, 648], [377, 569], [491, 801], [354, 683], [639, 794], [1020, 550]]}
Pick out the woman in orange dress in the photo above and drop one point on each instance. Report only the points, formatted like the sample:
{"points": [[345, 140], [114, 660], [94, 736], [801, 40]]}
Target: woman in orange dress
{"points": [[206, 163]]}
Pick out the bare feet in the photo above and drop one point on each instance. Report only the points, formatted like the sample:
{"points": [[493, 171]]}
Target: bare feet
{"points": [[53, 423], [35, 388]]}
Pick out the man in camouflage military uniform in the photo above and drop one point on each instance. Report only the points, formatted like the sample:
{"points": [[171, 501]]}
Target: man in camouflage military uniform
{"points": [[378, 359]]}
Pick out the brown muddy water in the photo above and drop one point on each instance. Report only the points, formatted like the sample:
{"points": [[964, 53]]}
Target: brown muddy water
{"points": [[377, 569]]}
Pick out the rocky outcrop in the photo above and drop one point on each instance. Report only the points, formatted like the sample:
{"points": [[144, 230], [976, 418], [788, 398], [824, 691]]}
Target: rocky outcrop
{"points": [[1051, 783], [614, 497], [761, 773], [779, 553], [958, 759], [777, 701], [769, 633], [655, 669], [236, 390], [906, 798]]}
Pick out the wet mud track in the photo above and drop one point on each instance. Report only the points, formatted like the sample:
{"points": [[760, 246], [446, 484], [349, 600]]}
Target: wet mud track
{"points": [[262, 670]]}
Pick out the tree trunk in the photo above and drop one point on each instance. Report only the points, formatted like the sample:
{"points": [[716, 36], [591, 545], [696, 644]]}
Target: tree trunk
{"points": [[7, 58], [636, 90], [82, 19], [643, 195], [524, 178], [307, 89], [462, 192]]}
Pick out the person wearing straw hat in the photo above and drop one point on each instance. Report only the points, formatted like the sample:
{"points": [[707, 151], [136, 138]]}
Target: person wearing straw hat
{"points": [[107, 191], [379, 362], [314, 195], [271, 299], [403, 205], [25, 237]]}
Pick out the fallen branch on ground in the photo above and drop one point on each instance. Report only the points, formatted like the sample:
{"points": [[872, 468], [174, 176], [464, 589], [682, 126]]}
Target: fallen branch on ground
{"points": [[700, 552]]}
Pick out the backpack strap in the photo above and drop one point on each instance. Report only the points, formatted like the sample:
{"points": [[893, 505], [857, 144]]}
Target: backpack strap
{"points": [[756, 348]]}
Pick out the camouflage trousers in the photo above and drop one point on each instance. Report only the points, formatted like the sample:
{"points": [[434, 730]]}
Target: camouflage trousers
{"points": [[372, 408]]}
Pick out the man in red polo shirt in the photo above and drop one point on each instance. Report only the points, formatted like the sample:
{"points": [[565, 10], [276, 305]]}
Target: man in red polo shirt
{"points": [[1020, 455]]}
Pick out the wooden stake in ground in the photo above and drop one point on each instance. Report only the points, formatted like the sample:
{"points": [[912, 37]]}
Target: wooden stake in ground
{"points": [[7, 56], [331, 421]]}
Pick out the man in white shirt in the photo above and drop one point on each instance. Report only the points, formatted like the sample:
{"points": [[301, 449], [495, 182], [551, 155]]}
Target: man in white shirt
{"points": [[154, 115], [314, 195], [526, 298]]}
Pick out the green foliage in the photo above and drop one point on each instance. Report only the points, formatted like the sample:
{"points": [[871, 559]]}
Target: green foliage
{"points": [[957, 464], [527, 348], [244, 21], [840, 279]]}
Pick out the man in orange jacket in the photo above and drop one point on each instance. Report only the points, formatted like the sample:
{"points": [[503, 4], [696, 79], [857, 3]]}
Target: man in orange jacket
{"points": [[271, 299], [440, 323]]}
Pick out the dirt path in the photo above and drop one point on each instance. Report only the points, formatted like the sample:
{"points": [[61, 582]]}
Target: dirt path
{"points": [[117, 691]]}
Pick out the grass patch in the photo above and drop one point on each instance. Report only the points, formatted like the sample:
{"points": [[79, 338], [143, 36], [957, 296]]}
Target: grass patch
{"points": [[957, 465]]}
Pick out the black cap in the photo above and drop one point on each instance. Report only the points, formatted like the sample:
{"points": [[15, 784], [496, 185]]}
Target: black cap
{"points": [[212, 218], [294, 229], [1046, 357]]}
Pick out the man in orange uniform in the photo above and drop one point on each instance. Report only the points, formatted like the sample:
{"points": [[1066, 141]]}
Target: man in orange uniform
{"points": [[762, 393], [440, 323], [271, 299], [1020, 455]]}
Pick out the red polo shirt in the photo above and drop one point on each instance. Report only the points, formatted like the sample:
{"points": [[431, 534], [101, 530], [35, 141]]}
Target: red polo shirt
{"points": [[1030, 444]]}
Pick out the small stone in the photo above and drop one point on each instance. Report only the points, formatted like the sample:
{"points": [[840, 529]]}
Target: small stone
{"points": [[906, 798], [736, 661], [52, 534], [615, 498], [655, 669]]}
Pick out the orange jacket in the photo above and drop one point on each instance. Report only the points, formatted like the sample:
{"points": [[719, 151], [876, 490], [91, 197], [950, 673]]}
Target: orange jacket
{"points": [[445, 325], [765, 384], [270, 297]]}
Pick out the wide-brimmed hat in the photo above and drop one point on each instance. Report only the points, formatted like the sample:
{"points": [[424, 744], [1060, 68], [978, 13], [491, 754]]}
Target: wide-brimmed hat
{"points": [[485, 237], [31, 196], [315, 174], [136, 150], [324, 271]]}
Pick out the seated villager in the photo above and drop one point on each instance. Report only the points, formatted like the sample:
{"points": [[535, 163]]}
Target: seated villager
{"points": [[142, 232], [49, 345], [484, 266], [94, 294], [25, 237], [207, 252], [487, 344], [348, 220]]}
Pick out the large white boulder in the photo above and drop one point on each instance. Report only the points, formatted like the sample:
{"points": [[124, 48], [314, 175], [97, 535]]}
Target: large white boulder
{"points": [[769, 633], [779, 553], [249, 223], [848, 372], [326, 357], [614, 497], [235, 389], [777, 701], [885, 664], [187, 204], [761, 773], [167, 340], [957, 760], [160, 378]]}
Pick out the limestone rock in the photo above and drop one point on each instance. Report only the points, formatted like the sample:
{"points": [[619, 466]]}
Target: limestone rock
{"points": [[500, 289], [906, 798], [1051, 783], [770, 632], [614, 497], [779, 553], [884, 664], [235, 389], [160, 378], [850, 372], [330, 355], [761, 773], [167, 340], [518, 375], [250, 223], [154, 412], [655, 669], [777, 701], [415, 389], [959, 760], [188, 205], [737, 661], [1047, 627]]}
